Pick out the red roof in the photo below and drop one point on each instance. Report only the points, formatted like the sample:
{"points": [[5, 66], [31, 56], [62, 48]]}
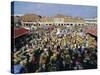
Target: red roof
{"points": [[92, 31], [20, 31]]}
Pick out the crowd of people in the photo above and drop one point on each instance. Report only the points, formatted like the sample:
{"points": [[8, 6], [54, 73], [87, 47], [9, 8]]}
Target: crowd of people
{"points": [[45, 51]]}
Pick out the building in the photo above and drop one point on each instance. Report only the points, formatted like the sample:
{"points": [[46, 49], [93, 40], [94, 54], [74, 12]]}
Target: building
{"points": [[20, 32], [91, 21], [61, 20], [18, 37], [30, 21]]}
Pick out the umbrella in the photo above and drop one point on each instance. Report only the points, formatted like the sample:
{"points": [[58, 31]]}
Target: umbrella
{"points": [[17, 68]]}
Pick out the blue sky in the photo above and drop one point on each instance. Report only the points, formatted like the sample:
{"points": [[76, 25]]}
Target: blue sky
{"points": [[46, 9]]}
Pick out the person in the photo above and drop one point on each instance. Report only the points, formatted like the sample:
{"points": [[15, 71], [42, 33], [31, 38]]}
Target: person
{"points": [[53, 53], [42, 62], [53, 63]]}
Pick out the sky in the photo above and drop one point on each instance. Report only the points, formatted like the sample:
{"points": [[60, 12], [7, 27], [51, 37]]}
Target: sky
{"points": [[48, 9]]}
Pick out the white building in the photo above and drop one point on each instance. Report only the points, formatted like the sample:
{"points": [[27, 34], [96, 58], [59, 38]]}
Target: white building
{"points": [[91, 21], [33, 20]]}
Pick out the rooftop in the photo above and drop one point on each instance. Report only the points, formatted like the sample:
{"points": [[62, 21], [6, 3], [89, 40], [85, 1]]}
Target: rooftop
{"points": [[20, 31]]}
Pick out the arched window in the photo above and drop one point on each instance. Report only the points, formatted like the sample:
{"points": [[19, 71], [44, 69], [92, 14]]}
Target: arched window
{"points": [[49, 24], [79, 24], [59, 24], [71, 24]]}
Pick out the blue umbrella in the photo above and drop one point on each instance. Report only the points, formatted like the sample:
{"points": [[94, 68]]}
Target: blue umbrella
{"points": [[17, 68]]}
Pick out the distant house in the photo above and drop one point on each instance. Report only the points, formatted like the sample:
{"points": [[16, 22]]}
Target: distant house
{"points": [[91, 21], [29, 20], [61, 20]]}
